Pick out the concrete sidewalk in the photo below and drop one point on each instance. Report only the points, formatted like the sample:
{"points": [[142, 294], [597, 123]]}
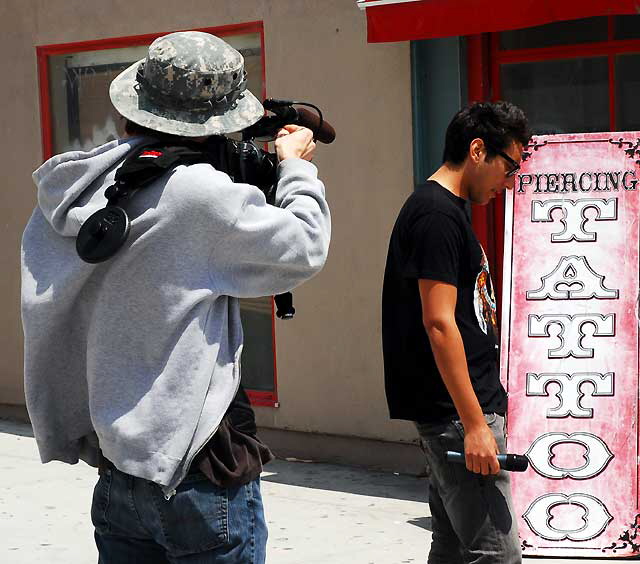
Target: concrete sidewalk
{"points": [[317, 513]]}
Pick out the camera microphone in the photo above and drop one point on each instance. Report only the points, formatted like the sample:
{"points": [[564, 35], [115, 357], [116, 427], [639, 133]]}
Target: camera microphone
{"points": [[509, 462], [322, 130]]}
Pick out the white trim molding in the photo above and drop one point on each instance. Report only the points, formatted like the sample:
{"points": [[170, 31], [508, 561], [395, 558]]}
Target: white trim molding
{"points": [[363, 4]]}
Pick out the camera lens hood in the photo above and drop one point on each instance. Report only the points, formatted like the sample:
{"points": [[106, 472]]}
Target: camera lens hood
{"points": [[102, 234]]}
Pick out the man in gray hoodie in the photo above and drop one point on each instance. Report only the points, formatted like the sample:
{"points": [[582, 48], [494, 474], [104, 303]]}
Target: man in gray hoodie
{"points": [[132, 364]]}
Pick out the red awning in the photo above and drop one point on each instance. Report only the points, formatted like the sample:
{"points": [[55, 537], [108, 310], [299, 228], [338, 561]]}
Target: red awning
{"points": [[400, 20]]}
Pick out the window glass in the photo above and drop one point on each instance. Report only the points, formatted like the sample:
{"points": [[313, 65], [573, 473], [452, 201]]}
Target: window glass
{"points": [[443, 62], [626, 27], [82, 117], [81, 111], [566, 96], [257, 354], [585, 30], [627, 85]]}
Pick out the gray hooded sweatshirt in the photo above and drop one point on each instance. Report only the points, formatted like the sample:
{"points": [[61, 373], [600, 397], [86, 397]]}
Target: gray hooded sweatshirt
{"points": [[141, 354]]}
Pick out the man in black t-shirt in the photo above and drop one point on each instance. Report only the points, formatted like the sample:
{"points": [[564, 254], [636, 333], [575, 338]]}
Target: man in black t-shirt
{"points": [[440, 336]]}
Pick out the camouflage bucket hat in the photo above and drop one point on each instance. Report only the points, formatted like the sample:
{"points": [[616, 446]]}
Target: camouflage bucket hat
{"points": [[191, 84]]}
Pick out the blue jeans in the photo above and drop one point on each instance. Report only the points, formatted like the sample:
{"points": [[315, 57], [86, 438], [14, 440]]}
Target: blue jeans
{"points": [[200, 524], [472, 515]]}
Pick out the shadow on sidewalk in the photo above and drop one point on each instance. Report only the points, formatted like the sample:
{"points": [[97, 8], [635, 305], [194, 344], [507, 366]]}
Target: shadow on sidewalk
{"points": [[315, 475], [17, 428], [422, 522], [358, 481]]}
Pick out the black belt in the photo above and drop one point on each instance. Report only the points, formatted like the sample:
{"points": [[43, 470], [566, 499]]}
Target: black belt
{"points": [[104, 464]]}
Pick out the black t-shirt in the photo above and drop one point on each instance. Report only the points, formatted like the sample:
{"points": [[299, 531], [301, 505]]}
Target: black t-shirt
{"points": [[433, 239]]}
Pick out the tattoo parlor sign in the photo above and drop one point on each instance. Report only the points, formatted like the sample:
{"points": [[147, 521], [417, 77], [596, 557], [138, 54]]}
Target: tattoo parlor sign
{"points": [[570, 344]]}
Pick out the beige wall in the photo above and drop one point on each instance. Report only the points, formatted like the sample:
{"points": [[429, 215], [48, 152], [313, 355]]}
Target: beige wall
{"points": [[329, 357]]}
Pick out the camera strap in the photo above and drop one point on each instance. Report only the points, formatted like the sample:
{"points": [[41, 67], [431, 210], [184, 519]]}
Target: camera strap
{"points": [[105, 231]]}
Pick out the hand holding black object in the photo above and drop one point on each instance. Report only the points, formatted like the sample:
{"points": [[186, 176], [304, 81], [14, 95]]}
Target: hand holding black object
{"points": [[509, 462], [295, 141], [285, 114]]}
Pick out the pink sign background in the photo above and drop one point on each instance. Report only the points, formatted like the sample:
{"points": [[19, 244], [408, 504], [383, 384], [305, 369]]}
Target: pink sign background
{"points": [[570, 344]]}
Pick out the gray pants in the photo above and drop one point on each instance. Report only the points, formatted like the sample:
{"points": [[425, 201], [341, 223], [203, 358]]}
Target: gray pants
{"points": [[472, 515]]}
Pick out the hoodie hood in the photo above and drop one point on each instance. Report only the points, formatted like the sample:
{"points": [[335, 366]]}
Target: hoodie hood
{"points": [[66, 190]]}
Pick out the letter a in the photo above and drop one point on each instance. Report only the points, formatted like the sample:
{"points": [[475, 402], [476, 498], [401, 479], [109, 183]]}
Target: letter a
{"points": [[572, 279]]}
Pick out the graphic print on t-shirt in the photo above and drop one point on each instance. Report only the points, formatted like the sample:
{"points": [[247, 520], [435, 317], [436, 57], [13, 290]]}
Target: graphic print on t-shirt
{"points": [[484, 300]]}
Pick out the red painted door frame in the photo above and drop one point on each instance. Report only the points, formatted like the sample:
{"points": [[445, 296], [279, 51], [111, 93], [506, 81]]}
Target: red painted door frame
{"points": [[488, 220]]}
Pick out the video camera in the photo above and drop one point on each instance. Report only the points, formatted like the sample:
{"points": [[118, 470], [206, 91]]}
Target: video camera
{"points": [[105, 231], [248, 163]]}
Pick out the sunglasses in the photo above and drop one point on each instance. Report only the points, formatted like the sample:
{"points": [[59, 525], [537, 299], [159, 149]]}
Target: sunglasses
{"points": [[515, 167]]}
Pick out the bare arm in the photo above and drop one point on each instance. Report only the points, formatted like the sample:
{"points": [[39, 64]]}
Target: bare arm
{"points": [[438, 315]]}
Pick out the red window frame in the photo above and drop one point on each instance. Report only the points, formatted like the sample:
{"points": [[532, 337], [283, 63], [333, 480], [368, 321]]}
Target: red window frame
{"points": [[268, 399], [484, 58]]}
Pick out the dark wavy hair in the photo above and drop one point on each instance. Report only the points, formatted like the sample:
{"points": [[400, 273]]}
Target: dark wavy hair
{"points": [[498, 124]]}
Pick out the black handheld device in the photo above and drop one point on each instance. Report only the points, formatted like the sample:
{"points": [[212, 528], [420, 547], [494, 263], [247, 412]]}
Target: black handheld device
{"points": [[509, 462]]}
